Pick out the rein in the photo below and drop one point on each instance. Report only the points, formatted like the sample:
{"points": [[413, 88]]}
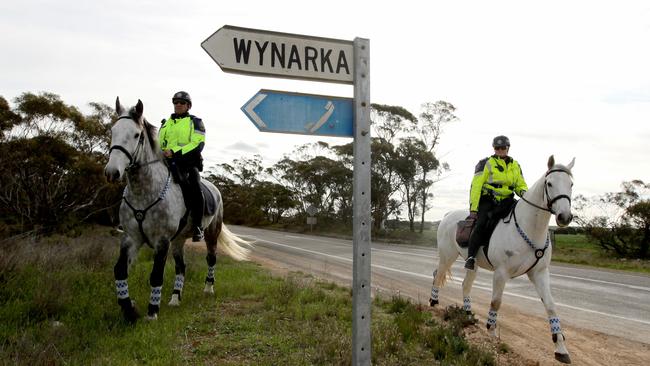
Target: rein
{"points": [[539, 253], [549, 202], [133, 164]]}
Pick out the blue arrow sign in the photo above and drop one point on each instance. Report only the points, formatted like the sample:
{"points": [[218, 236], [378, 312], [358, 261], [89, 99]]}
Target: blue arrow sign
{"points": [[306, 114]]}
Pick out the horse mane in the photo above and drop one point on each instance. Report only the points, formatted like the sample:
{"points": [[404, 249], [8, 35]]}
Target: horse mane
{"points": [[150, 130]]}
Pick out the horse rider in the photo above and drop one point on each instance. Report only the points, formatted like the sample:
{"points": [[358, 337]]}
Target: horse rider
{"points": [[182, 138], [496, 179]]}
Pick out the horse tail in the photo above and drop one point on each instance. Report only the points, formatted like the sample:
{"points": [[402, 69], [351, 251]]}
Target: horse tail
{"points": [[442, 279], [233, 245]]}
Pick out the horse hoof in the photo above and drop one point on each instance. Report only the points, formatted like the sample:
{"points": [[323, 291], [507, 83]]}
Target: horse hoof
{"points": [[563, 357], [130, 313], [433, 302], [175, 301], [209, 289]]}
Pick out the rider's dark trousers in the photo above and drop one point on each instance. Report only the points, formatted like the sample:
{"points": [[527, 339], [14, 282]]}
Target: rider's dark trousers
{"points": [[489, 214], [191, 188]]}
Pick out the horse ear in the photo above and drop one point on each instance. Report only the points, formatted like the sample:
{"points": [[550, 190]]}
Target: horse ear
{"points": [[139, 108], [551, 161], [118, 107], [570, 166]]}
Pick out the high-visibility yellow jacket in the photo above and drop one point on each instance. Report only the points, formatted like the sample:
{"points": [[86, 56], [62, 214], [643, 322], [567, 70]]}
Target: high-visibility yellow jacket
{"points": [[496, 177], [183, 134]]}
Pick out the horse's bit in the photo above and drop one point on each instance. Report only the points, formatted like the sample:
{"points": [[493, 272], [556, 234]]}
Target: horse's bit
{"points": [[539, 253], [133, 164]]}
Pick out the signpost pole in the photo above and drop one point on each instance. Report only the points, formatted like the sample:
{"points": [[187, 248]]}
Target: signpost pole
{"points": [[361, 300]]}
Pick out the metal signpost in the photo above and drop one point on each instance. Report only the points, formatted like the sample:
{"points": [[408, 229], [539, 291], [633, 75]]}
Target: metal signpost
{"points": [[264, 53]]}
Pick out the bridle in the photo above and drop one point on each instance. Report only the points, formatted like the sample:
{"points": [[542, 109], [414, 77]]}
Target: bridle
{"points": [[133, 162], [539, 252], [549, 201], [138, 214]]}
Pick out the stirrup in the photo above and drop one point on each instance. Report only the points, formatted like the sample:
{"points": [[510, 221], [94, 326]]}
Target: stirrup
{"points": [[470, 264], [198, 234]]}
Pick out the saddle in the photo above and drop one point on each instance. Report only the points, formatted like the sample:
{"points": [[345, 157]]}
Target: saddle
{"points": [[464, 228]]}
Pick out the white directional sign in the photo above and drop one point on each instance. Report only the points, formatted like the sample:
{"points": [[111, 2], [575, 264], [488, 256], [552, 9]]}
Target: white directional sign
{"points": [[266, 53]]}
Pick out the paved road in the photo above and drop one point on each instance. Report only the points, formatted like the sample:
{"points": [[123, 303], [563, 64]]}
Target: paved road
{"points": [[609, 302]]}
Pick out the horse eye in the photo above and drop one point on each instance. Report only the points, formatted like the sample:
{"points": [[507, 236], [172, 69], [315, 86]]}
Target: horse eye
{"points": [[549, 184], [136, 135]]}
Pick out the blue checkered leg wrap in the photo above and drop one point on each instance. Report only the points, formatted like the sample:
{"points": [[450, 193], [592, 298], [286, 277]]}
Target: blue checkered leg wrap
{"points": [[492, 318], [555, 325], [434, 293], [155, 295], [467, 304], [178, 282], [211, 272], [122, 288]]}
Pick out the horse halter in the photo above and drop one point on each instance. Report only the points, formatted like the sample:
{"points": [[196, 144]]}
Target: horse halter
{"points": [[133, 163], [549, 201]]}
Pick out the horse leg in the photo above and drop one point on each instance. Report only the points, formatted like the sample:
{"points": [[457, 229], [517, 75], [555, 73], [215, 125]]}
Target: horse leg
{"points": [[211, 236], [542, 282], [156, 278], [121, 272], [468, 281], [498, 285], [440, 275], [179, 281]]}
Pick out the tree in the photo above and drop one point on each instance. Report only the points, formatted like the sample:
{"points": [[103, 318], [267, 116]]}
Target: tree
{"points": [[389, 124], [619, 221], [64, 182], [430, 125]]}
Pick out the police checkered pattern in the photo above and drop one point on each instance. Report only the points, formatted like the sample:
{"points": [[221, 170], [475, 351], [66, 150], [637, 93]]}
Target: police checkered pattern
{"points": [[178, 282], [211, 272], [155, 295], [467, 303], [122, 288], [434, 293], [555, 325], [492, 318]]}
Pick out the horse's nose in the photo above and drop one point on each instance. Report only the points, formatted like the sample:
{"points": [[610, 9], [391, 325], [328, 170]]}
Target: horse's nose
{"points": [[564, 219], [112, 175]]}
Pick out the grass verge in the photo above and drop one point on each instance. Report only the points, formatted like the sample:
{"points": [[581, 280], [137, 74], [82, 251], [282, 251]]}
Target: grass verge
{"points": [[58, 306]]}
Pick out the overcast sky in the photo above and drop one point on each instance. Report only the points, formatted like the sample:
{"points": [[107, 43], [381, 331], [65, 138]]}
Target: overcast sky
{"points": [[569, 78]]}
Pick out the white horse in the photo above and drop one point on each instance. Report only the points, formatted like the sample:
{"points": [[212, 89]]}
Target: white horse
{"points": [[153, 212], [519, 245]]}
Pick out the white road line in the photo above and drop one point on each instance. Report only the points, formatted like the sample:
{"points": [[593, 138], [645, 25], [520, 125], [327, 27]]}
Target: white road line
{"points": [[605, 282], [428, 277]]}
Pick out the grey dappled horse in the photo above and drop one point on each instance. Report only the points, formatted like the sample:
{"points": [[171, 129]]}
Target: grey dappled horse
{"points": [[152, 211], [519, 245]]}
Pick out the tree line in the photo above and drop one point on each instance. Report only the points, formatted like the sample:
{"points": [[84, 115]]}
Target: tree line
{"points": [[53, 157]]}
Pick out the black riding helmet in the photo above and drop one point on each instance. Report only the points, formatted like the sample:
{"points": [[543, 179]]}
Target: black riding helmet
{"points": [[501, 141], [182, 95]]}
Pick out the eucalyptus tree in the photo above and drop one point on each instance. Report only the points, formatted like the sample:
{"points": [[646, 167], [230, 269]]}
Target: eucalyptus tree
{"points": [[389, 123], [619, 221], [63, 183], [412, 160], [433, 118]]}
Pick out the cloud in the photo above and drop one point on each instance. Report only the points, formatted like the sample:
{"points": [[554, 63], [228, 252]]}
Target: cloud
{"points": [[244, 147]]}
